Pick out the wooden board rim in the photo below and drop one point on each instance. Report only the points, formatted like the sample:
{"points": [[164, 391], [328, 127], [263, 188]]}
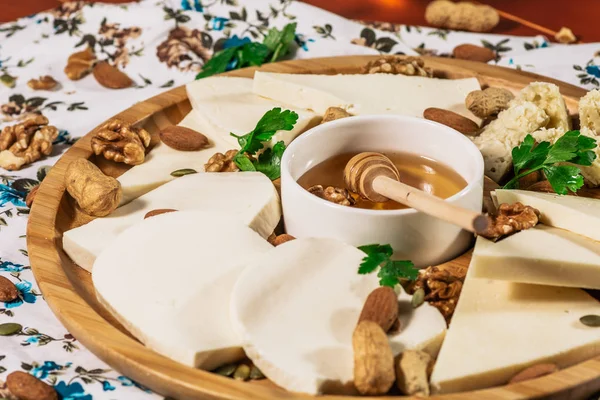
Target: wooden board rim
{"points": [[172, 379]]}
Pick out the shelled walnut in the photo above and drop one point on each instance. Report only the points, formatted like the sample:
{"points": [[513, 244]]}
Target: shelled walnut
{"points": [[511, 218], [119, 141], [333, 194], [26, 142], [220, 162], [442, 288], [45, 82], [80, 64], [333, 113], [398, 65]]}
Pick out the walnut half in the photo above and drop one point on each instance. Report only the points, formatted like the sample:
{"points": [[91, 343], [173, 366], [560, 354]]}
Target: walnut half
{"points": [[45, 82], [220, 162], [119, 141], [26, 142], [511, 218], [333, 194], [412, 66]]}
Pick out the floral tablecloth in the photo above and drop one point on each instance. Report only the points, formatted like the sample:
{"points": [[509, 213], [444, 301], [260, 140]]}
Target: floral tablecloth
{"points": [[161, 44]]}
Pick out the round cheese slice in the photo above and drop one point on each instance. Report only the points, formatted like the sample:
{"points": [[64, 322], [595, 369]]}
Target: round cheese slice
{"points": [[168, 280], [295, 309]]}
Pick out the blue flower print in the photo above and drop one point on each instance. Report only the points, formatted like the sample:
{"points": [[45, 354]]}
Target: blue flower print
{"points": [[43, 371], [25, 295], [302, 42], [190, 5], [72, 391], [107, 387], [32, 340], [10, 195], [593, 70], [125, 381], [218, 23], [235, 41], [7, 266]]}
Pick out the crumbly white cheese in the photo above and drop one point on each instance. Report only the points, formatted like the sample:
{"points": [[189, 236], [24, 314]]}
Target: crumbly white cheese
{"points": [[229, 104], [296, 307], [507, 131], [162, 160], [547, 96], [589, 111], [543, 256], [249, 196], [168, 280], [580, 215], [500, 328], [367, 94]]}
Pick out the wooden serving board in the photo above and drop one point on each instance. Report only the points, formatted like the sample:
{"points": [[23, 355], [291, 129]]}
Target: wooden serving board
{"points": [[69, 291]]}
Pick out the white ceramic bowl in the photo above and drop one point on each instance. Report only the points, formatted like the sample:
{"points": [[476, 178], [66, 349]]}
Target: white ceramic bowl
{"points": [[413, 235]]}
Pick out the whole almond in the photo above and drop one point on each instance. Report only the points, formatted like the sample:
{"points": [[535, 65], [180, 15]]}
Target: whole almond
{"points": [[473, 53], [158, 211], [111, 77], [542, 187], [183, 139], [8, 290], [374, 372], [28, 387], [449, 118], [31, 196], [531, 179], [281, 239], [381, 307], [535, 371]]}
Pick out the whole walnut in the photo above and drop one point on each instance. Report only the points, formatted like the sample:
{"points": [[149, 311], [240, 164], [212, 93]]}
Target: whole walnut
{"points": [[96, 194], [26, 142], [119, 141], [488, 102], [461, 16]]}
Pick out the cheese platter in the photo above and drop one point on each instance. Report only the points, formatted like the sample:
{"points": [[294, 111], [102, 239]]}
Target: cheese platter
{"points": [[206, 262]]}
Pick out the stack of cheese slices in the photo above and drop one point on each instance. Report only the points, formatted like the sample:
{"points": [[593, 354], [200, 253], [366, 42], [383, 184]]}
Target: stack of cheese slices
{"points": [[203, 286]]}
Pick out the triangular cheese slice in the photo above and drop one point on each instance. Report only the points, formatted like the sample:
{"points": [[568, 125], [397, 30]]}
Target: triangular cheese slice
{"points": [[542, 255], [499, 328], [367, 94], [576, 214]]}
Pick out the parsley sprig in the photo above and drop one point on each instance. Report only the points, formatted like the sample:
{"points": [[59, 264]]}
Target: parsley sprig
{"points": [[572, 148], [379, 256], [269, 161], [276, 44]]}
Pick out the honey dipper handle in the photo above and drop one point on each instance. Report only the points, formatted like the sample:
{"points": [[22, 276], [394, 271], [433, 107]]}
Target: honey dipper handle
{"points": [[430, 204]]}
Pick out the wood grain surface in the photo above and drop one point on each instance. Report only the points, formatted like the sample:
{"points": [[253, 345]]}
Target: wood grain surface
{"points": [[70, 294], [580, 15]]}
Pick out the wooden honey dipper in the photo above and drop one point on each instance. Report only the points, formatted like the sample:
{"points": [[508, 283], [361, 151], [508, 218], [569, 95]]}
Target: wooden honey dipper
{"points": [[375, 177]]}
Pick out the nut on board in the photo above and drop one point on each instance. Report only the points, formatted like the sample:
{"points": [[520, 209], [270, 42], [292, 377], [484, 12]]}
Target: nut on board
{"points": [[413, 368], [373, 359], [119, 141], [488, 102]]}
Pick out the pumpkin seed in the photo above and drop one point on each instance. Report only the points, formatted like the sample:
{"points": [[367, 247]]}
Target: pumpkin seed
{"points": [[256, 374], [226, 370], [418, 298], [242, 372], [10, 328], [591, 320], [183, 172]]}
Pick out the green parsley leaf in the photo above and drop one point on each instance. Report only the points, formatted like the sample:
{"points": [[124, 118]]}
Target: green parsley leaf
{"points": [[269, 162], [274, 120], [571, 148], [379, 256], [279, 42], [218, 63], [243, 162], [252, 55]]}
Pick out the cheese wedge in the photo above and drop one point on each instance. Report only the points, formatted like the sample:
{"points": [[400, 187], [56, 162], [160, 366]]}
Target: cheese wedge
{"points": [[367, 94], [168, 280], [249, 196], [295, 309], [500, 328], [542, 255], [576, 214], [547, 96], [229, 104], [589, 111], [162, 160]]}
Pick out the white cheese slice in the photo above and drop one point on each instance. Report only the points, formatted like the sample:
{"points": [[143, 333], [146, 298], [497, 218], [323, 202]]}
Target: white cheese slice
{"points": [[162, 160], [296, 307], [500, 328], [229, 104], [168, 280], [249, 196], [367, 94], [542, 255], [576, 214]]}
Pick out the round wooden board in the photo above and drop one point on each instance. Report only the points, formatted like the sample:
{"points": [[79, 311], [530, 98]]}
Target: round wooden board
{"points": [[70, 294]]}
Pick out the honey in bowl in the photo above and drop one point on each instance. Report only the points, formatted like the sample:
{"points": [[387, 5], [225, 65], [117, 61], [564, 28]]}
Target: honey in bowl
{"points": [[417, 171]]}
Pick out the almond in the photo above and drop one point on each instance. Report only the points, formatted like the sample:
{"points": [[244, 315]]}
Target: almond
{"points": [[31, 196], [111, 77], [381, 307], [28, 387], [8, 290], [473, 53], [374, 372], [531, 179], [183, 139], [158, 211], [281, 239], [449, 118], [535, 371]]}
